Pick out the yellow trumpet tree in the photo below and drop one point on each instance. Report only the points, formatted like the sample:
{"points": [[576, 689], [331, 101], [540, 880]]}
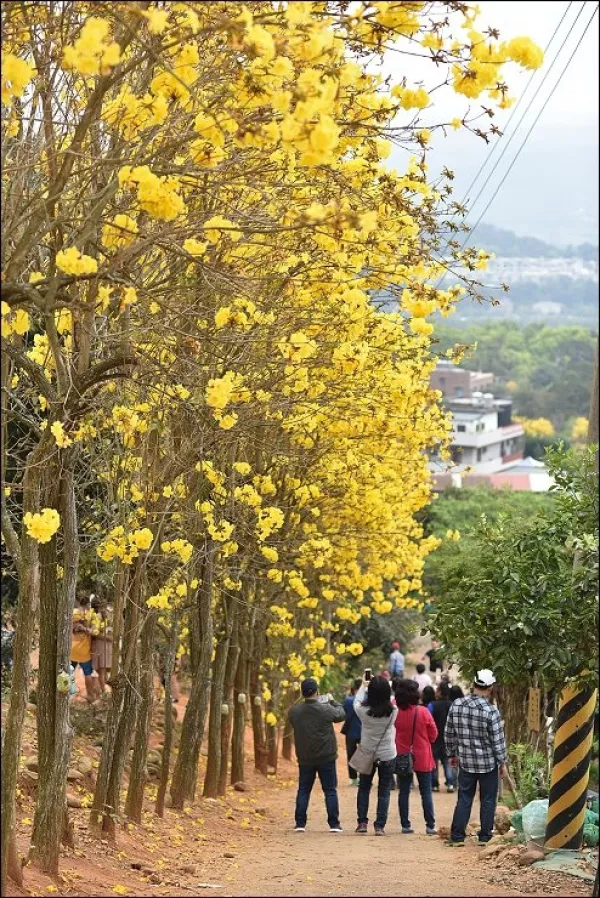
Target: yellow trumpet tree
{"points": [[199, 381]]}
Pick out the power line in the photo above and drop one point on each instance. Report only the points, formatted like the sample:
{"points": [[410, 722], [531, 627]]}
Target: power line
{"points": [[529, 105], [520, 100], [526, 138]]}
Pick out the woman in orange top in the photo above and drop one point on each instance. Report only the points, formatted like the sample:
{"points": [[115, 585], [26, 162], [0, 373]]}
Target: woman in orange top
{"points": [[85, 625]]}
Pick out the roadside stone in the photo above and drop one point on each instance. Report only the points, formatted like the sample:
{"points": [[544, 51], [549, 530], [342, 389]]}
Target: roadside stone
{"points": [[31, 763], [74, 802], [74, 775], [229, 854], [501, 822], [530, 856], [192, 869], [240, 787], [489, 851], [84, 764], [262, 811]]}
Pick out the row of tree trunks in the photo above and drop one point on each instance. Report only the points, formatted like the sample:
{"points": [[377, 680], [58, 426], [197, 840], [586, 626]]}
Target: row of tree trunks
{"points": [[172, 639], [258, 726], [240, 707], [121, 714], [233, 660], [138, 775], [185, 772]]}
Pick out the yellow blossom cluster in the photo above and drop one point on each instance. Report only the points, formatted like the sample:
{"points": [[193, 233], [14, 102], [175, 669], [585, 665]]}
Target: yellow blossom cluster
{"points": [[42, 526]]}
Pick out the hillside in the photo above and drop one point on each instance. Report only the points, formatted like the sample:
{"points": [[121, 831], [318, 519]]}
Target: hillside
{"points": [[548, 284]]}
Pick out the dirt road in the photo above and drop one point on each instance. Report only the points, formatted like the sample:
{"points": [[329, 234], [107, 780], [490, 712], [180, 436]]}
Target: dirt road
{"points": [[318, 862]]}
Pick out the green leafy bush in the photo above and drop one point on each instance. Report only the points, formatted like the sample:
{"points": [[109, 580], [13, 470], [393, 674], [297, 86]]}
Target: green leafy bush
{"points": [[529, 770]]}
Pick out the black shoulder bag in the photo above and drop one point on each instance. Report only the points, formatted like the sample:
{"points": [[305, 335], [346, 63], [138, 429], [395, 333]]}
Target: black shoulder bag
{"points": [[404, 763]]}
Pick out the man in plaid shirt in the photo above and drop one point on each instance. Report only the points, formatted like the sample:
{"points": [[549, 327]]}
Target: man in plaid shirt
{"points": [[474, 735]]}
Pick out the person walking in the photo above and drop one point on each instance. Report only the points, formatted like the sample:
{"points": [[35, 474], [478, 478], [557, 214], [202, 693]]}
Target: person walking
{"points": [[102, 643], [428, 698], [316, 749], [474, 736], [85, 626], [415, 734], [377, 716], [396, 661], [351, 729], [421, 678], [436, 664], [439, 712]]}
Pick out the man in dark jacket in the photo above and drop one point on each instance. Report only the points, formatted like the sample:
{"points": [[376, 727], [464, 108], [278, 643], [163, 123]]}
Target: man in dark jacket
{"points": [[316, 750], [441, 707], [351, 730]]}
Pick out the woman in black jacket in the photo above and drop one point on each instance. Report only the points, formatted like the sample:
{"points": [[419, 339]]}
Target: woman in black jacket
{"points": [[439, 711]]}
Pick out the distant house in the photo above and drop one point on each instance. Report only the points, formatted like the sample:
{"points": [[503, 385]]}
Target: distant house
{"points": [[487, 445]]}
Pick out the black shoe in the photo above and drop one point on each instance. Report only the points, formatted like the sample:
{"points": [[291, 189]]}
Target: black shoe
{"points": [[361, 828]]}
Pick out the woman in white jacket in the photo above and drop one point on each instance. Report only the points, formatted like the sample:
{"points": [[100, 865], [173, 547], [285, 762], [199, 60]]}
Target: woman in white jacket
{"points": [[378, 734]]}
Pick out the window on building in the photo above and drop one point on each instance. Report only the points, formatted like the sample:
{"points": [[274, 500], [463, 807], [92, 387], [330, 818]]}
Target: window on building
{"points": [[480, 454], [442, 381], [461, 428], [459, 392]]}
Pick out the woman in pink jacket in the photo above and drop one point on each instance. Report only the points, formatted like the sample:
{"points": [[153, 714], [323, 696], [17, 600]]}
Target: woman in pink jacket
{"points": [[415, 731]]}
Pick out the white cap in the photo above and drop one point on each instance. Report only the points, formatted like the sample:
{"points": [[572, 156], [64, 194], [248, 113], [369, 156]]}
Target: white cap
{"points": [[484, 679]]}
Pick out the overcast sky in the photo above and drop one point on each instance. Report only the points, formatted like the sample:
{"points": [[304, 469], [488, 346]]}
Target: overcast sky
{"points": [[552, 188]]}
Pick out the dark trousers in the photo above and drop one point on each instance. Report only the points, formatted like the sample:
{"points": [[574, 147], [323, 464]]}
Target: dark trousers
{"points": [[439, 755], [488, 793], [351, 744], [385, 772], [306, 780], [425, 782]]}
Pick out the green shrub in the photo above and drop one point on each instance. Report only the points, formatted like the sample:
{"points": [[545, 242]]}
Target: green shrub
{"points": [[529, 770]]}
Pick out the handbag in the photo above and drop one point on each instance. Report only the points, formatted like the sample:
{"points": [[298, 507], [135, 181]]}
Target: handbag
{"points": [[363, 761], [404, 763]]}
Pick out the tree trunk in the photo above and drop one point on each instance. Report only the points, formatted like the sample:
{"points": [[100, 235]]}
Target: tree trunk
{"points": [[28, 566], [258, 729], [166, 758], [213, 765], [15, 869], [239, 718], [120, 720], [54, 728], [185, 773], [117, 684], [233, 660], [513, 705], [138, 775], [287, 741]]}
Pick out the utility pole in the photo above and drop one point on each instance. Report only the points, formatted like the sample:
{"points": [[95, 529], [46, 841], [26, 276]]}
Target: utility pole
{"points": [[574, 733]]}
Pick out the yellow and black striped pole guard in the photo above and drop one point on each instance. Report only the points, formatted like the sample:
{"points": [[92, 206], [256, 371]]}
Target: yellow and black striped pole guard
{"points": [[570, 768]]}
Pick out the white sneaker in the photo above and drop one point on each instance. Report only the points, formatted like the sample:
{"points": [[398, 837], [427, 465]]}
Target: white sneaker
{"points": [[300, 829], [336, 829]]}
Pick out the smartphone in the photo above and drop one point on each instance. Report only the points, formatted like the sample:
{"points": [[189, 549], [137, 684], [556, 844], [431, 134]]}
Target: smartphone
{"points": [[367, 673]]}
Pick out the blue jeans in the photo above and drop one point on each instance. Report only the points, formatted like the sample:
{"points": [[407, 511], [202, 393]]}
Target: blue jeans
{"points": [[384, 784], [488, 793], [306, 780], [440, 755], [425, 782]]}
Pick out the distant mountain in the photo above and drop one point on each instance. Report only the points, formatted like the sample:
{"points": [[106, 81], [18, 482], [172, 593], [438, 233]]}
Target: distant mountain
{"points": [[507, 244], [547, 284]]}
